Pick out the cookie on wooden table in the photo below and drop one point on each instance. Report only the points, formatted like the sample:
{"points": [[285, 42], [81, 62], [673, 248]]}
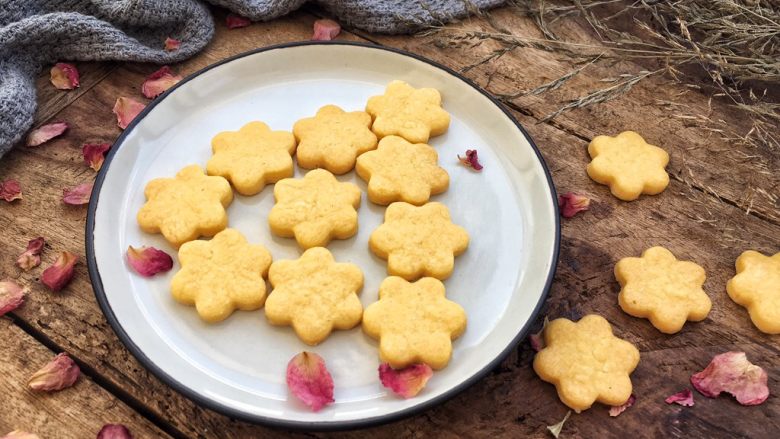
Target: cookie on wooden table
{"points": [[756, 286], [412, 113]]}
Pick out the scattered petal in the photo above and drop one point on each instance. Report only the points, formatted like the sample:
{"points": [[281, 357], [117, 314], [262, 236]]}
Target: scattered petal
{"points": [[158, 82], [731, 372], [618, 409], [309, 380], [556, 429], [45, 133], [471, 160], [571, 204], [10, 190], [126, 109], [407, 382], [60, 373], [148, 261], [61, 272], [684, 397], [172, 44], [32, 256], [78, 195], [537, 340], [94, 154], [17, 434], [234, 21], [114, 431], [64, 76], [11, 296], [325, 30]]}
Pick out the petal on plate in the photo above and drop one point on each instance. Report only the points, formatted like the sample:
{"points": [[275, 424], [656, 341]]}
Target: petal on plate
{"points": [[148, 261], [406, 382], [309, 380]]}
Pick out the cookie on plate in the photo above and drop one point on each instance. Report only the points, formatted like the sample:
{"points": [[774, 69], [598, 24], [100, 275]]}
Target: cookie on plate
{"points": [[756, 286], [414, 114], [185, 207], [221, 275], [401, 171], [333, 139], [252, 157]]}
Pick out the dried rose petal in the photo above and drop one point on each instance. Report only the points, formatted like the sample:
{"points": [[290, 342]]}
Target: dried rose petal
{"points": [[555, 430], [537, 340], [61, 272], [172, 44], [471, 160], [407, 382], [126, 109], [95, 154], [731, 372], [325, 30], [11, 296], [158, 82], [32, 256], [571, 204], [78, 195], [45, 133], [234, 21], [60, 373], [18, 434], [684, 397], [114, 431], [148, 261], [618, 409], [10, 190], [309, 380], [64, 76]]}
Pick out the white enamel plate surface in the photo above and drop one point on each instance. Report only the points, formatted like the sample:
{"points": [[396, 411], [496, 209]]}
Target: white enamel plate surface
{"points": [[238, 366]]}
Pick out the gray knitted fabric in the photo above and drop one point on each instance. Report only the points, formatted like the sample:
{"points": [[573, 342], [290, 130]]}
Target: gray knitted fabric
{"points": [[34, 33]]}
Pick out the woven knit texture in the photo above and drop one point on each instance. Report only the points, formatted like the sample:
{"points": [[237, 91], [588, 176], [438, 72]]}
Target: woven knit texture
{"points": [[37, 33]]}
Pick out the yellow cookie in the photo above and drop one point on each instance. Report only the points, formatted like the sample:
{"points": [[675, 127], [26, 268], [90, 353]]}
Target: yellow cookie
{"points": [[628, 165], [315, 209], [418, 241], [662, 289], [402, 171], [757, 287], [315, 295], [185, 207], [333, 139], [221, 275], [414, 322], [414, 114], [586, 363], [252, 157]]}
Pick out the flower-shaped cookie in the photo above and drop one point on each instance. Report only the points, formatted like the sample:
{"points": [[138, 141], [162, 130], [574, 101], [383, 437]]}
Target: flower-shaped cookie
{"points": [[401, 171], [662, 289], [414, 322], [252, 157], [414, 114], [333, 139], [221, 275], [418, 241], [315, 209], [315, 295], [757, 287], [628, 165], [185, 207], [586, 362]]}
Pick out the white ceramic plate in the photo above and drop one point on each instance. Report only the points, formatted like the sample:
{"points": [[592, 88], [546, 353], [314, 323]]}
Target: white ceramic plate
{"points": [[237, 367]]}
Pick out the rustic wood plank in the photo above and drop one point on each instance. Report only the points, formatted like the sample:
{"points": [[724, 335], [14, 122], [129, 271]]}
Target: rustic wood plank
{"points": [[51, 100]]}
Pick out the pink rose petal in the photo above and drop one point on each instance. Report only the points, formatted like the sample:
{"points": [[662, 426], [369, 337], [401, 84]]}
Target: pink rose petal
{"points": [[471, 160], [234, 21], [114, 431], [11, 296], [148, 261], [18, 434], [309, 380], [62, 372], [731, 372], [95, 154], [158, 82], [618, 409], [325, 30], [571, 204], [45, 133], [32, 256], [126, 109], [78, 195], [10, 190], [64, 76], [537, 339], [172, 44], [407, 382], [684, 397], [61, 272]]}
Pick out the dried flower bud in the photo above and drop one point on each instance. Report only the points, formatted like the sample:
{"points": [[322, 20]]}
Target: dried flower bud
{"points": [[95, 154], [325, 30], [61, 272], [172, 44], [618, 409], [158, 82], [45, 133], [407, 382], [10, 190], [32, 256], [309, 380], [148, 261], [732, 373], [126, 109], [78, 195], [471, 160], [234, 21], [64, 76], [114, 431], [11, 296], [571, 204], [684, 397], [62, 372]]}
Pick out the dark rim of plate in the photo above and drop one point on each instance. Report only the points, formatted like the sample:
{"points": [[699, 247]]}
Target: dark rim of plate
{"points": [[97, 282]]}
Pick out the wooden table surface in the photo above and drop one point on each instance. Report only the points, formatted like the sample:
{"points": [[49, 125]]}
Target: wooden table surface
{"points": [[724, 198]]}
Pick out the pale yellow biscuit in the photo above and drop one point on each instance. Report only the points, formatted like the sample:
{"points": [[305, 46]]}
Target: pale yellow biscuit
{"points": [[418, 241], [586, 362], [185, 207], [315, 209], [628, 165], [414, 114], [402, 171], [252, 157], [756, 286], [315, 295], [414, 322], [333, 139], [221, 275], [662, 289]]}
